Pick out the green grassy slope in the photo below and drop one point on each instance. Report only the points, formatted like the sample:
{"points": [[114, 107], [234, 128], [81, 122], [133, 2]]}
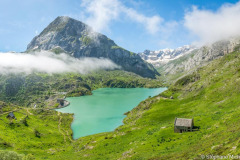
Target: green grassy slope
{"points": [[210, 96], [34, 132], [43, 89], [169, 77]]}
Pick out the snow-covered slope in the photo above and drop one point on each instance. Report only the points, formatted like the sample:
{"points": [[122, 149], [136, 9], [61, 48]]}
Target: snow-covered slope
{"points": [[165, 55]]}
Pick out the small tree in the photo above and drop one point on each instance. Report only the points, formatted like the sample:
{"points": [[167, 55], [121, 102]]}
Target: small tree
{"points": [[24, 121], [37, 133]]}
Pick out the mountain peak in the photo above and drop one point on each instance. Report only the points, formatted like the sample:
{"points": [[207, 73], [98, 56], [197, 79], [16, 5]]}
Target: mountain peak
{"points": [[62, 19], [61, 22], [77, 39], [66, 19]]}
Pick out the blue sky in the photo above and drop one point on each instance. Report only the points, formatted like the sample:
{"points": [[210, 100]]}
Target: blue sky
{"points": [[133, 24]]}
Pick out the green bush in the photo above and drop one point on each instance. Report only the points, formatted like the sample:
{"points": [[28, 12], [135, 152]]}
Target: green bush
{"points": [[10, 155], [37, 133]]}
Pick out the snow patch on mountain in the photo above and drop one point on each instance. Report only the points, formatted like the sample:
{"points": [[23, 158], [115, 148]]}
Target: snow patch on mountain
{"points": [[163, 56]]}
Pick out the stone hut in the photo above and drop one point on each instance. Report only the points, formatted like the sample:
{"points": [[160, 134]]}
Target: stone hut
{"points": [[11, 116], [183, 125]]}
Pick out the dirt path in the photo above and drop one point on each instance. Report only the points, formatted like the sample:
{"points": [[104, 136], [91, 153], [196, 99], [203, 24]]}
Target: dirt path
{"points": [[69, 137], [28, 112], [9, 111], [59, 126]]}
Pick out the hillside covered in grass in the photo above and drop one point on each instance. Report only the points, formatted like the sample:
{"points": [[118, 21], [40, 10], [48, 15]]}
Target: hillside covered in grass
{"points": [[210, 96], [42, 89], [188, 63]]}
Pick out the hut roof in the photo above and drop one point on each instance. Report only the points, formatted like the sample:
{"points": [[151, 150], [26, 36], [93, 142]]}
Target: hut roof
{"points": [[11, 115], [184, 122]]}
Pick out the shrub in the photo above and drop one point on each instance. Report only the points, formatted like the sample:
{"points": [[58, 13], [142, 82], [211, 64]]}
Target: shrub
{"points": [[37, 133], [10, 155]]}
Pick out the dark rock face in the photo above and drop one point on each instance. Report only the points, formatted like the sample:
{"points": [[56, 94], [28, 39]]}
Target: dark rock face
{"points": [[77, 39]]}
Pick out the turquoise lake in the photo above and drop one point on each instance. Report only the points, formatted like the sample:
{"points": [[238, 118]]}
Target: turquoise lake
{"points": [[103, 111]]}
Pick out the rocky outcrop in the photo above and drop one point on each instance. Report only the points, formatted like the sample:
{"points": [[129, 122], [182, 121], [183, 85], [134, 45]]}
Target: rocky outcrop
{"points": [[77, 39], [200, 57]]}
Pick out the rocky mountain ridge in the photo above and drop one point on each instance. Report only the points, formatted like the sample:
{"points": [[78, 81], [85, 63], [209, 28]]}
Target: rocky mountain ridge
{"points": [[77, 39], [159, 57], [199, 57]]}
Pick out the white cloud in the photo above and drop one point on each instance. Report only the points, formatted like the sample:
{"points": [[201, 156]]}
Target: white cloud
{"points": [[152, 24], [211, 26], [50, 63], [99, 14]]}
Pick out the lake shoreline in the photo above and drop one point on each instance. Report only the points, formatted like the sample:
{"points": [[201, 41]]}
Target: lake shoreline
{"points": [[92, 109], [68, 103]]}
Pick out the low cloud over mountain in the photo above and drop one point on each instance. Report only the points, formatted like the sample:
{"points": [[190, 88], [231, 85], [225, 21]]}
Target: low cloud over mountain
{"points": [[48, 62]]}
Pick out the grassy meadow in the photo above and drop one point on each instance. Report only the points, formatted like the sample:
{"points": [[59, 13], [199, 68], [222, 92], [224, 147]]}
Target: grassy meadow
{"points": [[211, 96]]}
